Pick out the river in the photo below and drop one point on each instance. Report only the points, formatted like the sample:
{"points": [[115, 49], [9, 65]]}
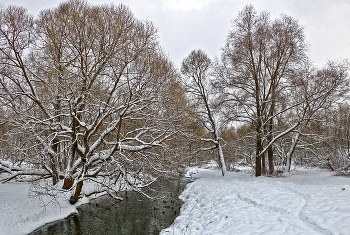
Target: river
{"points": [[135, 215]]}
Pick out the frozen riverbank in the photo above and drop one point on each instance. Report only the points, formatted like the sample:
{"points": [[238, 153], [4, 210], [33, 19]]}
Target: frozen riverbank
{"points": [[305, 202], [20, 213]]}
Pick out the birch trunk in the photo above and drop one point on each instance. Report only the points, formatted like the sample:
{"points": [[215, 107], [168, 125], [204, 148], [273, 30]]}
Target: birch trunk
{"points": [[290, 152], [222, 160]]}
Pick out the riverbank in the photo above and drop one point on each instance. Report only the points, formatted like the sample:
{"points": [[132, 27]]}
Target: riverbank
{"points": [[133, 215], [308, 201], [21, 213]]}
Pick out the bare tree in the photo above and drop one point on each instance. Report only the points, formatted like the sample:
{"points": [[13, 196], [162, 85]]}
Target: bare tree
{"points": [[265, 79], [257, 60], [87, 91], [320, 90], [195, 68]]}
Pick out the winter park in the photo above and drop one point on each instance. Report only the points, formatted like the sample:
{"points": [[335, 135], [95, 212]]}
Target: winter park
{"points": [[176, 117]]}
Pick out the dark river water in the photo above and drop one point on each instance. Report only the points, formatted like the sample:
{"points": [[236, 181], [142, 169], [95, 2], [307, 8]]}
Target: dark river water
{"points": [[135, 215]]}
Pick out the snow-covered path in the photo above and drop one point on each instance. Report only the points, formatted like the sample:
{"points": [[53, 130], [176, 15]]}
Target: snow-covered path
{"points": [[311, 202]]}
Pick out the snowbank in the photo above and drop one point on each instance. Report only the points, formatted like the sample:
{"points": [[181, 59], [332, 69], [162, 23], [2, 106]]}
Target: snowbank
{"points": [[305, 202], [21, 213]]}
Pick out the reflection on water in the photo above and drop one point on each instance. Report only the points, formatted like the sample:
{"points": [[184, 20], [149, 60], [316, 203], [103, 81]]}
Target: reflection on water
{"points": [[135, 215]]}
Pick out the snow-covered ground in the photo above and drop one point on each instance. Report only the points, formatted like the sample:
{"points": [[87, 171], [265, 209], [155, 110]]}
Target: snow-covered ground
{"points": [[304, 202], [21, 213]]}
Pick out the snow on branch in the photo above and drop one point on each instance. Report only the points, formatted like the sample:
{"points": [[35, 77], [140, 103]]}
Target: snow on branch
{"points": [[15, 171]]}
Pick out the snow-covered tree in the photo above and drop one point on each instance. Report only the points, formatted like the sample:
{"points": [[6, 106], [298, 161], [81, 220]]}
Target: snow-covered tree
{"points": [[196, 70], [85, 92], [320, 90], [254, 71], [262, 79]]}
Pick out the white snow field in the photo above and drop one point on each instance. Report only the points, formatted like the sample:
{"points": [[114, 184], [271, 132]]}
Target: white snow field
{"points": [[21, 213], [304, 202]]}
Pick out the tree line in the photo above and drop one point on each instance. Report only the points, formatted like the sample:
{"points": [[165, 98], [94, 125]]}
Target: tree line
{"points": [[264, 89], [89, 96]]}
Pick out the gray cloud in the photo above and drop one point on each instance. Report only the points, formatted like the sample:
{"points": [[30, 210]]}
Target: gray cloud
{"points": [[205, 25]]}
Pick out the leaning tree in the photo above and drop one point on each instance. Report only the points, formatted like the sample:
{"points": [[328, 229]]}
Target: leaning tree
{"points": [[196, 69], [84, 93]]}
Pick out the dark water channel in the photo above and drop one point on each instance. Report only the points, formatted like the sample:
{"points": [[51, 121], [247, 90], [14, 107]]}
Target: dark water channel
{"points": [[135, 215]]}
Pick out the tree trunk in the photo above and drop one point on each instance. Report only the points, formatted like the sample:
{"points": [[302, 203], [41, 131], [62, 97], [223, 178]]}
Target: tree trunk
{"points": [[73, 199], [68, 183], [54, 164], [222, 160], [270, 137], [270, 158], [270, 124], [54, 171], [258, 158], [290, 152], [263, 164], [258, 166]]}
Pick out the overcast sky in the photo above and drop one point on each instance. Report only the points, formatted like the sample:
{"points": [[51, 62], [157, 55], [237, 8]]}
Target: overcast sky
{"points": [[185, 25]]}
